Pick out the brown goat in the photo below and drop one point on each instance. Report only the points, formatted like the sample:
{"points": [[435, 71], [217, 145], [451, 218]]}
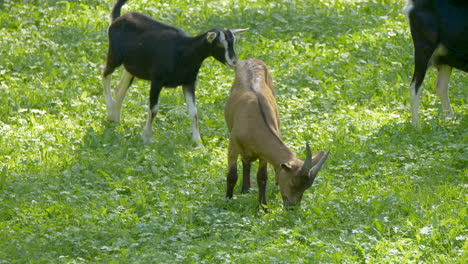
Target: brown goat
{"points": [[253, 121]]}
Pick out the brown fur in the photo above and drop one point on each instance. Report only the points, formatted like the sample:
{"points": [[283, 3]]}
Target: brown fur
{"points": [[253, 121]]}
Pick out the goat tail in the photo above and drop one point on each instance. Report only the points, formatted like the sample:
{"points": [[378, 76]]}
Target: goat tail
{"points": [[116, 10]]}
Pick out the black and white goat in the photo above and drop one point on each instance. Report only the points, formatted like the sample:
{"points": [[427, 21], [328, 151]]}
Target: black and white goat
{"points": [[440, 36], [163, 54]]}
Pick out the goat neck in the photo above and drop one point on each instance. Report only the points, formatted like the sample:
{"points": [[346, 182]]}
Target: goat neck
{"points": [[194, 51], [278, 153]]}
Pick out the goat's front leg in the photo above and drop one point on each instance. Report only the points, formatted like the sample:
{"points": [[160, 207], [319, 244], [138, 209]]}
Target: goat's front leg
{"points": [[262, 178], [443, 77], [246, 176], [156, 88], [189, 94]]}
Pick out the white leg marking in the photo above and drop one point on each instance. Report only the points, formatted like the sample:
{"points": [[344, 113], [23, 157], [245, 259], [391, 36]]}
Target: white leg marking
{"points": [[192, 110], [119, 95], [415, 104], [439, 51], [148, 130], [443, 77], [106, 82]]}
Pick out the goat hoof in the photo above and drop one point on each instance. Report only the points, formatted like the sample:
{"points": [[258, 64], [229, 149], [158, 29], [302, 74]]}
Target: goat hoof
{"points": [[416, 124], [113, 119], [199, 144], [146, 138], [450, 115]]}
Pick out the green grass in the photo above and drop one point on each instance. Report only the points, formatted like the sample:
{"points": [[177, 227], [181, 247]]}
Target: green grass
{"points": [[76, 189]]}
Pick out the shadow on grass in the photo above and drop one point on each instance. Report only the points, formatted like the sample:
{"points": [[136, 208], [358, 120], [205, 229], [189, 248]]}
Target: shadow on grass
{"points": [[433, 155]]}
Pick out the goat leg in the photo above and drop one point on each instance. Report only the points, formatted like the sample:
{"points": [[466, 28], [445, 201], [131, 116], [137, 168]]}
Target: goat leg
{"points": [[246, 176], [262, 178], [443, 77], [231, 181], [110, 103], [231, 178], [189, 94], [119, 94], [152, 111]]}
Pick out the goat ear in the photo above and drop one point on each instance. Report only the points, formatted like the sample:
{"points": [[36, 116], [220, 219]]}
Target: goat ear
{"points": [[240, 30], [211, 36], [286, 166]]}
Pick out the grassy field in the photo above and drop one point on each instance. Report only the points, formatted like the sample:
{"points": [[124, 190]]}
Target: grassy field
{"points": [[77, 189]]}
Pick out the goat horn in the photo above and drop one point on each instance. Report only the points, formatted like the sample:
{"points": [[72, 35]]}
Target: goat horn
{"points": [[320, 158], [240, 30], [317, 157], [308, 161]]}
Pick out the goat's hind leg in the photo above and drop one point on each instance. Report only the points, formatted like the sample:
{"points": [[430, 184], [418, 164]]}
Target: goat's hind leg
{"points": [[422, 56], [152, 111], [111, 64], [110, 103], [442, 82], [119, 94], [245, 176]]}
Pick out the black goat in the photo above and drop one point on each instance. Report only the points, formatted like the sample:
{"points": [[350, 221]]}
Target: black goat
{"points": [[440, 36], [163, 54]]}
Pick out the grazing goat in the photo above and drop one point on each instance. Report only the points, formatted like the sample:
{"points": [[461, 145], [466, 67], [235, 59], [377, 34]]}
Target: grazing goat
{"points": [[439, 29], [252, 118], [163, 54]]}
